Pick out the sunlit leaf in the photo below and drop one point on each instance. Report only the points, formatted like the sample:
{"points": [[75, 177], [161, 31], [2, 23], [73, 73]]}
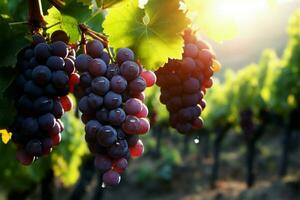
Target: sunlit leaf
{"points": [[5, 136], [57, 21], [107, 3], [153, 32]]}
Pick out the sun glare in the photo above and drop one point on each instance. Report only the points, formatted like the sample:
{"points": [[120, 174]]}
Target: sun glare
{"points": [[241, 11]]}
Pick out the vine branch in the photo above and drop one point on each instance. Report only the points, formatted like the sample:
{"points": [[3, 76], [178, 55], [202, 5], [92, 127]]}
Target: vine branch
{"points": [[36, 17]]}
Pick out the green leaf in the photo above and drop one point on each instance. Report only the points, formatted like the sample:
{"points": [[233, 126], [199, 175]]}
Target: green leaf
{"points": [[96, 20], [7, 76], [12, 40], [151, 32], [107, 3], [76, 10], [7, 112], [57, 21], [3, 7]]}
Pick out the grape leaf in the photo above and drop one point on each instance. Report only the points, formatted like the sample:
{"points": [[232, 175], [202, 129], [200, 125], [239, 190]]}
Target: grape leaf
{"points": [[7, 76], [3, 7], [153, 32], [57, 21], [96, 20], [18, 9], [77, 10], [12, 40], [7, 111], [107, 3]]}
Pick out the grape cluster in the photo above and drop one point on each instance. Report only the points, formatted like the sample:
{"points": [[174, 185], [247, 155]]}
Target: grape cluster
{"points": [[46, 74], [111, 96], [184, 83]]}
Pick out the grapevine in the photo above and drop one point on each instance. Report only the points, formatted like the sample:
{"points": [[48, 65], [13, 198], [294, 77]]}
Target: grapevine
{"points": [[184, 83], [111, 96], [45, 77]]}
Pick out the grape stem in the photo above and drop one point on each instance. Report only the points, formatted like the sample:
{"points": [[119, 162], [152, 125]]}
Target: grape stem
{"points": [[18, 23], [36, 18], [59, 4], [98, 36]]}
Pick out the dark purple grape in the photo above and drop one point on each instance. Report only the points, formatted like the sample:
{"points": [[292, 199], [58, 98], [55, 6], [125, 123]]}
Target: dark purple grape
{"points": [[95, 101], [133, 106], [105, 57], [130, 70], [60, 79], [97, 67], [43, 105], [138, 85], [118, 84], [46, 122], [60, 35], [25, 104], [28, 54], [32, 89], [83, 105], [106, 136], [118, 150], [37, 39], [191, 86], [91, 129], [112, 100], [132, 140], [102, 115], [112, 71], [116, 117], [111, 178], [124, 54], [41, 75], [59, 48], [94, 48], [58, 110], [102, 163], [82, 62], [85, 80], [42, 52], [55, 63], [50, 90], [34, 147], [69, 66], [100, 85], [30, 126]]}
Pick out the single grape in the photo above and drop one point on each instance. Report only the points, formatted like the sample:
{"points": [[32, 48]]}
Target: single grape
{"points": [[130, 70], [43, 105], [46, 121], [100, 85], [111, 178], [55, 63], [60, 35], [120, 165], [116, 117], [112, 100], [118, 84], [42, 52], [34, 147], [60, 49], [133, 106], [137, 150], [41, 75], [94, 48], [60, 79], [82, 62], [97, 67], [106, 136], [149, 78], [102, 163], [124, 54]]}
